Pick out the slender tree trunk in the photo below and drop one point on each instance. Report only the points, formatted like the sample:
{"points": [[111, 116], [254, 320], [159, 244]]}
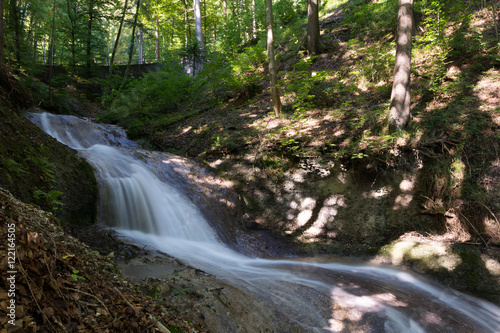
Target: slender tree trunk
{"points": [[204, 19], [313, 36], [187, 29], [44, 50], [52, 48], [89, 36], [270, 55], [140, 59], [254, 21], [198, 24], [199, 34], [495, 20], [132, 41], [400, 97], [157, 37], [17, 30], [72, 19], [115, 47], [2, 31], [35, 43], [224, 8]]}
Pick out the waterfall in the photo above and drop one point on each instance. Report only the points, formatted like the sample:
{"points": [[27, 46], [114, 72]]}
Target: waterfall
{"points": [[312, 295]]}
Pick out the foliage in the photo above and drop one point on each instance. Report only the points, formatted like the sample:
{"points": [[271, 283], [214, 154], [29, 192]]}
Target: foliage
{"points": [[11, 166], [370, 19], [49, 198], [145, 98], [74, 275]]}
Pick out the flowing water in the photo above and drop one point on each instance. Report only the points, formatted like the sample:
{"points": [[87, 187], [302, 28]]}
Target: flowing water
{"points": [[302, 295]]}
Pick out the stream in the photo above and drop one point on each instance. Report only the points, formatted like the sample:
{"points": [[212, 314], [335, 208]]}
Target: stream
{"points": [[141, 203]]}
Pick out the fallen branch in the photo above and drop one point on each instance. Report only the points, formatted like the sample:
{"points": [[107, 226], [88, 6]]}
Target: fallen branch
{"points": [[158, 324]]}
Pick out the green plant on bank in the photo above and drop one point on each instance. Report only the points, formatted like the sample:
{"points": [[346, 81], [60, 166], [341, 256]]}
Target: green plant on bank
{"points": [[45, 166], [148, 100], [182, 292], [371, 19], [50, 198], [299, 83], [175, 329], [74, 275], [11, 166], [374, 63]]}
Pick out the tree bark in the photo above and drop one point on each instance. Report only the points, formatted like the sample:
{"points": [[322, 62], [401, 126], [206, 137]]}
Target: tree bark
{"points": [[254, 21], [270, 55], [313, 36], [198, 23], [199, 35], [400, 97]]}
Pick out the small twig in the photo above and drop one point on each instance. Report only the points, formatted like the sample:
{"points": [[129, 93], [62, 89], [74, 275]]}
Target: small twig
{"points": [[87, 294], [126, 301], [33, 295], [114, 321], [426, 154], [489, 210], [477, 232]]}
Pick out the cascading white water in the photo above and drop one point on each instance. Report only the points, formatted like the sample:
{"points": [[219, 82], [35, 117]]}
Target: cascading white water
{"points": [[138, 205]]}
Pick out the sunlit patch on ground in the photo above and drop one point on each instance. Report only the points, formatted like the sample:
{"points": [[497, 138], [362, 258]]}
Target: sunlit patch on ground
{"points": [[487, 91], [433, 255]]}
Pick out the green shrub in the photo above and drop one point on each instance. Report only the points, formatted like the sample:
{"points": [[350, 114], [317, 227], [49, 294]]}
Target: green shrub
{"points": [[153, 94]]}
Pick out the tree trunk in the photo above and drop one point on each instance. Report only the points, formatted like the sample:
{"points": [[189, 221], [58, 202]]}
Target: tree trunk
{"points": [[199, 34], [115, 47], [157, 37], [313, 37], [198, 24], [270, 55], [52, 48], [495, 21], [224, 8], [254, 21], [89, 36], [2, 31], [17, 30], [400, 97], [132, 41], [187, 29], [72, 19], [35, 43], [140, 59]]}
